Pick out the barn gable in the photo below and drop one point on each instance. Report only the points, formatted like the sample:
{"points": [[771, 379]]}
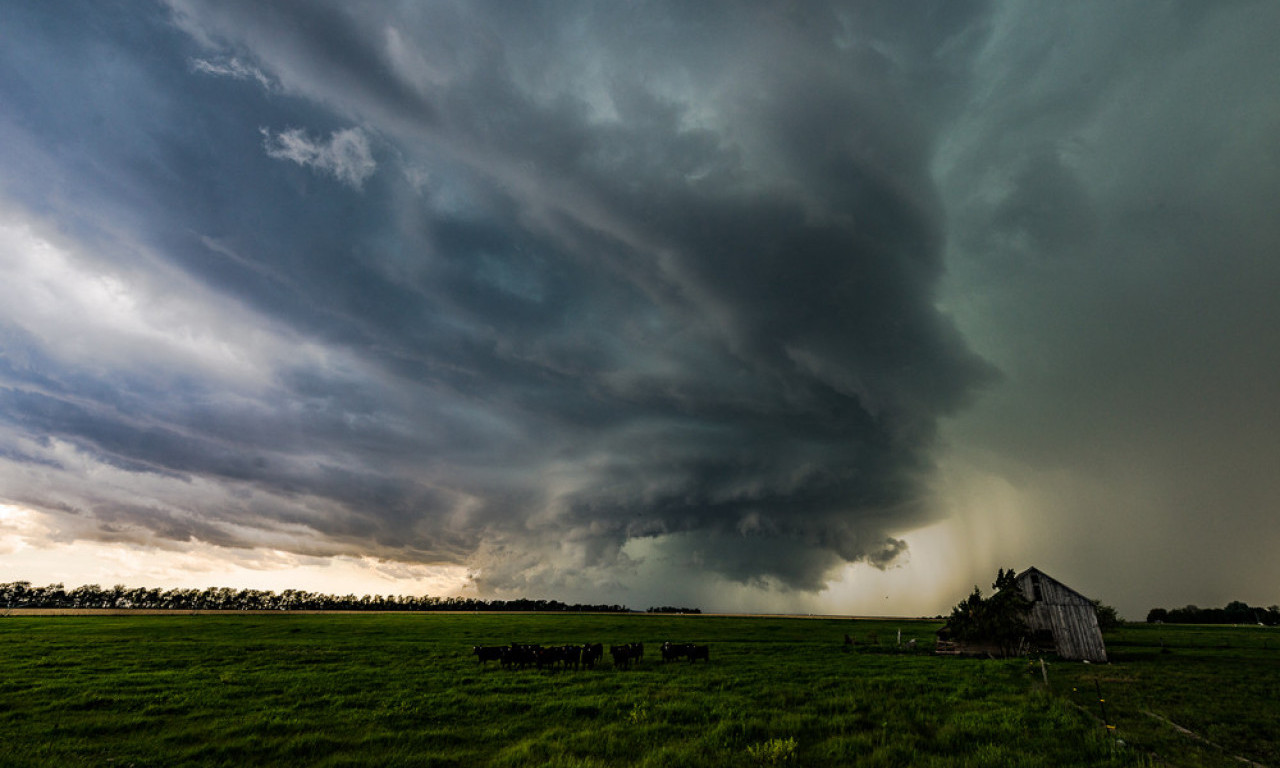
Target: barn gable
{"points": [[1066, 615]]}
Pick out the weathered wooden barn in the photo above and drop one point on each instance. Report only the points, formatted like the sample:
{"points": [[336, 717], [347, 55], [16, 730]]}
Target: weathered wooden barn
{"points": [[1063, 616], [1059, 620]]}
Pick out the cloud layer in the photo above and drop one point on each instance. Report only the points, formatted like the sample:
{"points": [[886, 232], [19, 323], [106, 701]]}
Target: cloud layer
{"points": [[617, 297], [648, 290]]}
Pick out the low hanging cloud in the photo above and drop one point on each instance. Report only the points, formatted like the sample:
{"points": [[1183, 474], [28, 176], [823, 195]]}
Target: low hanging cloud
{"points": [[346, 155]]}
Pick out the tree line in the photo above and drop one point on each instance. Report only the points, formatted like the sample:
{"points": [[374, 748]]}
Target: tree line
{"points": [[1235, 612], [21, 594]]}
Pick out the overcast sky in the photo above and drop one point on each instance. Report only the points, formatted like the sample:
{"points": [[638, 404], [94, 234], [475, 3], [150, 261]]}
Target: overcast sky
{"points": [[744, 306]]}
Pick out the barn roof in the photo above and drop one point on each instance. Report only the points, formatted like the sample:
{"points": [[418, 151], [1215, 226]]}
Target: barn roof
{"points": [[1044, 575]]}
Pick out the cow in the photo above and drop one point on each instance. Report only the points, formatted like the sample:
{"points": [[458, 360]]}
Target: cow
{"points": [[565, 656], [672, 651], [571, 656], [550, 657], [485, 653], [520, 655], [591, 653], [623, 655]]}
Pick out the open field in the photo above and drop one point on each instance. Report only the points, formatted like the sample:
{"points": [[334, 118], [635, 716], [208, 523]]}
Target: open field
{"points": [[1222, 683], [402, 689]]}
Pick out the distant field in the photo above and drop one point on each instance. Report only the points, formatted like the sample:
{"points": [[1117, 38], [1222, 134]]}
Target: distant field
{"points": [[402, 689]]}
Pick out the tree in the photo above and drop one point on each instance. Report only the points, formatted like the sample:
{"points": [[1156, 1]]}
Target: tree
{"points": [[999, 620], [1238, 612], [1108, 617]]}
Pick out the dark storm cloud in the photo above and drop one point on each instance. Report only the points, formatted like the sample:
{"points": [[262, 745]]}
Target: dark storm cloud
{"points": [[511, 286]]}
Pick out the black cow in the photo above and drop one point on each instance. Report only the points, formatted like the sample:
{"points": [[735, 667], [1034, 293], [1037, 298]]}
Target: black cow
{"points": [[548, 657], [560, 655], [591, 653], [520, 655], [485, 653], [571, 656], [672, 651], [624, 655]]}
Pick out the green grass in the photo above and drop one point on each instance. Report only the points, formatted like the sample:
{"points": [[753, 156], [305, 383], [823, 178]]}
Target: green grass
{"points": [[1222, 683], [402, 689]]}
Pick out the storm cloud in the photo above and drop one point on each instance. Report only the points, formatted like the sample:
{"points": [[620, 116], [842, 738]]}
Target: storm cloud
{"points": [[581, 295], [590, 274]]}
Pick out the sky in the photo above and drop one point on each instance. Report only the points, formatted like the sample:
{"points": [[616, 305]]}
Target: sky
{"points": [[806, 307]]}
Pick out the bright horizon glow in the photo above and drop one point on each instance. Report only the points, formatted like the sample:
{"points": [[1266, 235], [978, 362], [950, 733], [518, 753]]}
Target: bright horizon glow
{"points": [[29, 553]]}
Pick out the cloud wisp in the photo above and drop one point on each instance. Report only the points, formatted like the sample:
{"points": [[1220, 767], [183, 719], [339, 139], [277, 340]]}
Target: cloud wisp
{"points": [[231, 67], [346, 155]]}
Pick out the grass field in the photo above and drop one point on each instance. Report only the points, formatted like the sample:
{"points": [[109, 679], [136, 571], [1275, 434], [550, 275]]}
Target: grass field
{"points": [[402, 689], [1220, 683]]}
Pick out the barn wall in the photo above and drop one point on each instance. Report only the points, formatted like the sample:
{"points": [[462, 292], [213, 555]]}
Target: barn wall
{"points": [[1066, 613], [1075, 630]]}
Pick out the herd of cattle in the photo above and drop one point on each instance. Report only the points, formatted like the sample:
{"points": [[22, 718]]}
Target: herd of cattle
{"points": [[525, 655]]}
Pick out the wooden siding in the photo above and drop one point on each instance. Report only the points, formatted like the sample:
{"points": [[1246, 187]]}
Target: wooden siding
{"points": [[1067, 614]]}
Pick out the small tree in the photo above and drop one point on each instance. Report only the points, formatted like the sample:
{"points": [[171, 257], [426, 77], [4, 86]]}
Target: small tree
{"points": [[999, 620], [1108, 617]]}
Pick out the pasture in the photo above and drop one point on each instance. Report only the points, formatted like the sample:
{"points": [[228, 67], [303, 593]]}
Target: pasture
{"points": [[405, 690]]}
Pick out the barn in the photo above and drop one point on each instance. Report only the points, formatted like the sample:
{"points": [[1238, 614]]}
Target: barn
{"points": [[1061, 616], [1058, 620]]}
